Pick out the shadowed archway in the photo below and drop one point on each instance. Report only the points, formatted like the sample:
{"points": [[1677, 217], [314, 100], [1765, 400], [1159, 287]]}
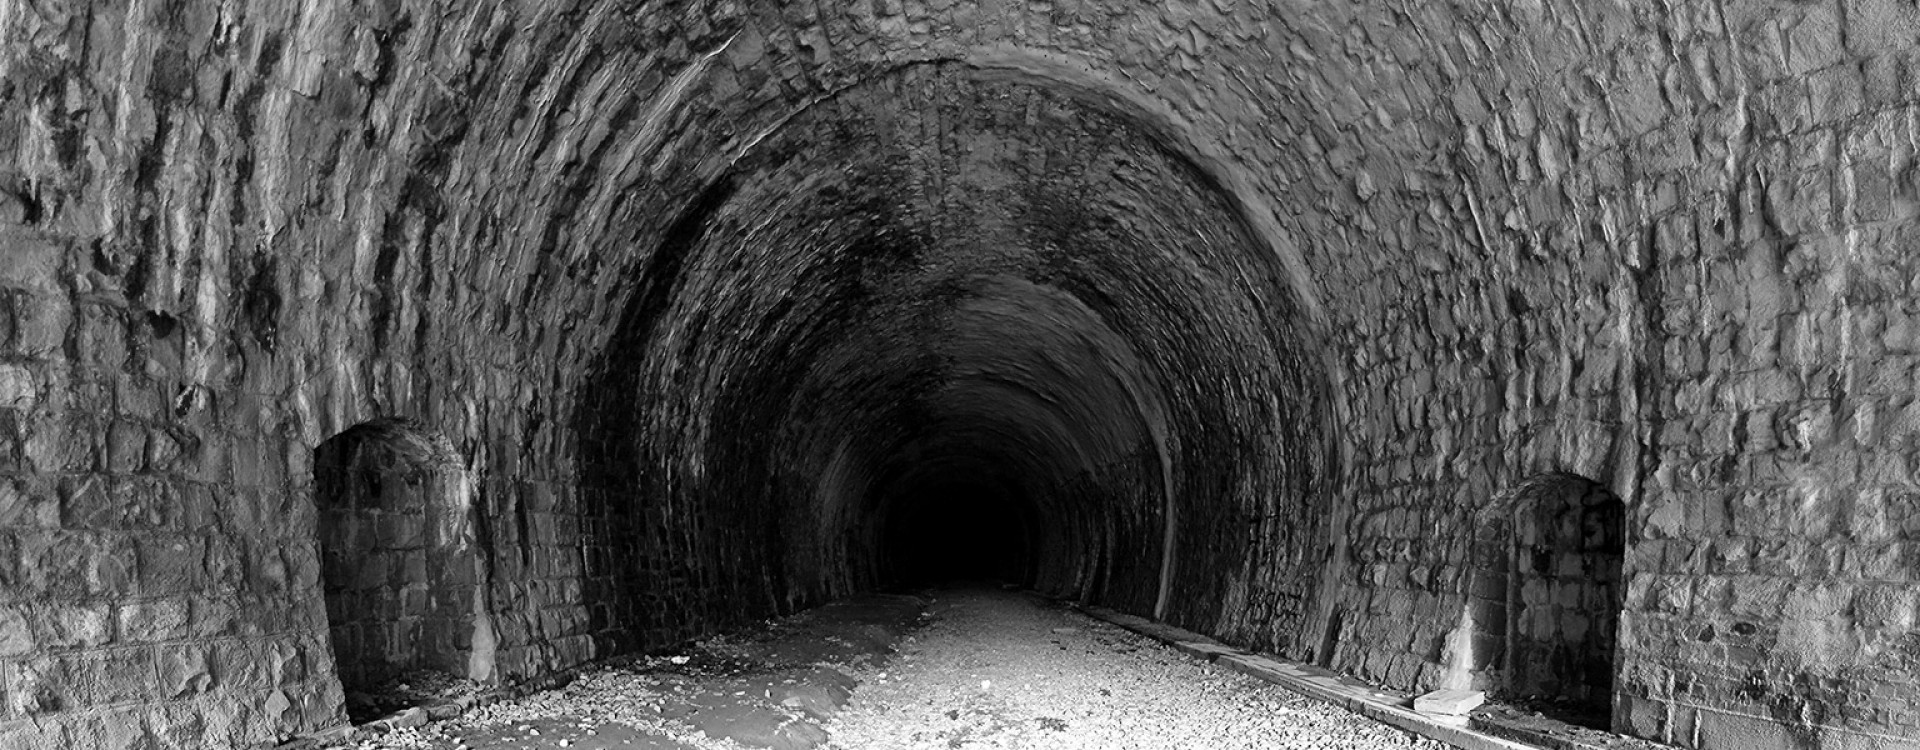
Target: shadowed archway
{"points": [[401, 564]]}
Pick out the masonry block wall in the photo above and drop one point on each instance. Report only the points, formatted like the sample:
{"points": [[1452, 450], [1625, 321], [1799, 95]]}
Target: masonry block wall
{"points": [[400, 564], [1262, 307]]}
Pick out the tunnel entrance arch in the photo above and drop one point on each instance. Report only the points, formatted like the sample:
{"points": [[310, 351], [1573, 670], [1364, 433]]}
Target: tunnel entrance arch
{"points": [[1549, 590], [400, 564]]}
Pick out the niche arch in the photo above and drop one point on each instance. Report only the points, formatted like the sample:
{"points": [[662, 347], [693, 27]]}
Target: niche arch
{"points": [[1548, 589], [401, 563]]}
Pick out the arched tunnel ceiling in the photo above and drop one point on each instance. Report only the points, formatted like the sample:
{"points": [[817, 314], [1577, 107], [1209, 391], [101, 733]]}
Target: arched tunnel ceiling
{"points": [[941, 267]]}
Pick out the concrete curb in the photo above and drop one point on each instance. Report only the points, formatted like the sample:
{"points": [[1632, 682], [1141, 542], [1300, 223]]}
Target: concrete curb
{"points": [[1308, 680]]}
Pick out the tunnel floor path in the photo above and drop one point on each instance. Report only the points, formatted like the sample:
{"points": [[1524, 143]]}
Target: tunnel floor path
{"points": [[1004, 670], [978, 669]]}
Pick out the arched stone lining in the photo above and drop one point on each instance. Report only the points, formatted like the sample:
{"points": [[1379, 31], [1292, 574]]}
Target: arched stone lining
{"points": [[990, 262]]}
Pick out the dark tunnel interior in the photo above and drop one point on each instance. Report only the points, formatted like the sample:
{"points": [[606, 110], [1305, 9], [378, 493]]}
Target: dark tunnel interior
{"points": [[957, 522], [945, 326]]}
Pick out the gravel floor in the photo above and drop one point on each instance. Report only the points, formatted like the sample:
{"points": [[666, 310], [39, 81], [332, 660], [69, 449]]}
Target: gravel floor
{"points": [[991, 669], [999, 670]]}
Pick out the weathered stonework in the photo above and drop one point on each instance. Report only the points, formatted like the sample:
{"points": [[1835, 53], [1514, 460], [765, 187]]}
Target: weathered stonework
{"points": [[401, 558], [1262, 306]]}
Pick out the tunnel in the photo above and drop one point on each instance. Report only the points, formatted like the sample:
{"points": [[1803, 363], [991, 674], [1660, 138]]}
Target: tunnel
{"points": [[1559, 352], [944, 313]]}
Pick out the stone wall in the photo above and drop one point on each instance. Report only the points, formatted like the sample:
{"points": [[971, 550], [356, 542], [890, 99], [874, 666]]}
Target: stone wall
{"points": [[1604, 250], [156, 577]]}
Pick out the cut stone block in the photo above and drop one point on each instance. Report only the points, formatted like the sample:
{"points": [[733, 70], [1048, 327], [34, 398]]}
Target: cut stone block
{"points": [[1449, 702], [1205, 649]]}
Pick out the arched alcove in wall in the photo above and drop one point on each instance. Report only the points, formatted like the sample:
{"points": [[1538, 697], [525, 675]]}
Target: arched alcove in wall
{"points": [[1547, 595], [400, 562]]}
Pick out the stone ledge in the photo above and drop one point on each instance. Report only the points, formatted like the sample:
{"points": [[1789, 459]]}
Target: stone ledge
{"points": [[1311, 681]]}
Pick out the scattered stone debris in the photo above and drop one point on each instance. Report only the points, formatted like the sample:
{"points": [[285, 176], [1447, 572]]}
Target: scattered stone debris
{"points": [[764, 687], [437, 692], [999, 670], [989, 669], [1549, 725], [1452, 702]]}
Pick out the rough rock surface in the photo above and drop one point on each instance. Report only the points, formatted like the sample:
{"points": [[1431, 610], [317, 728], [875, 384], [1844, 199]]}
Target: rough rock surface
{"points": [[1255, 317]]}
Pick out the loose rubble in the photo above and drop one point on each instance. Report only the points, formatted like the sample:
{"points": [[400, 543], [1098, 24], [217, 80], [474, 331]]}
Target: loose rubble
{"points": [[1004, 671], [762, 687]]}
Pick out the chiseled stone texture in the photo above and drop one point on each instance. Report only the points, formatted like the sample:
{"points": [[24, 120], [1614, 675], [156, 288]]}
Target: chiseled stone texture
{"points": [[398, 557], [1414, 254]]}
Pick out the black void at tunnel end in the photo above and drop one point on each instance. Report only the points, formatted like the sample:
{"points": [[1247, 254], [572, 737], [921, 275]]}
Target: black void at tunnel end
{"points": [[957, 523]]}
